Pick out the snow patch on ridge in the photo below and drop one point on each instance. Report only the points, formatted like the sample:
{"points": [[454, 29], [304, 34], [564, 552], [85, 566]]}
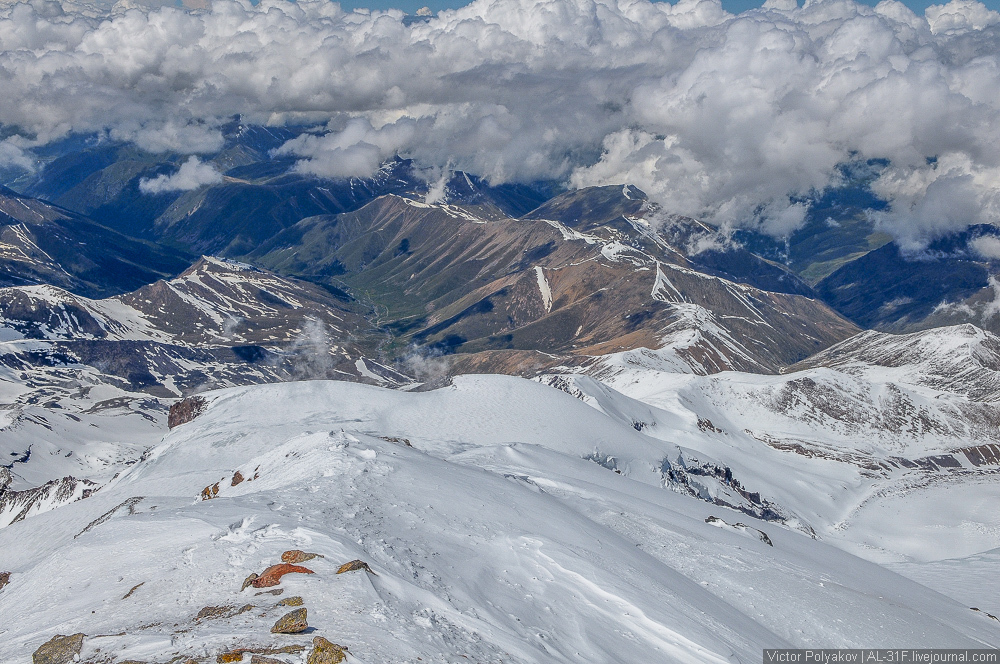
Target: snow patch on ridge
{"points": [[543, 288]]}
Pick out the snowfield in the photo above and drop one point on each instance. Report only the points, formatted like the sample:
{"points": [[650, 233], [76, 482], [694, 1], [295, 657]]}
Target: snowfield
{"points": [[876, 444], [494, 522]]}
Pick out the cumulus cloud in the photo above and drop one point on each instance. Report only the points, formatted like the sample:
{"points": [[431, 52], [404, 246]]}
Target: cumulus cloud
{"points": [[192, 174], [738, 120]]}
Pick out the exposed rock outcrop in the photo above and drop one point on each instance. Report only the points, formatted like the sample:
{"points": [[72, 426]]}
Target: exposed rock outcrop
{"points": [[237, 654], [742, 527], [133, 589], [292, 622], [185, 410], [128, 503], [59, 649], [248, 581], [209, 492], [213, 612], [16, 505]]}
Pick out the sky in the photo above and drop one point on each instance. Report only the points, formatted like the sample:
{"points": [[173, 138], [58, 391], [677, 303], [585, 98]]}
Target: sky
{"points": [[733, 6], [740, 121]]}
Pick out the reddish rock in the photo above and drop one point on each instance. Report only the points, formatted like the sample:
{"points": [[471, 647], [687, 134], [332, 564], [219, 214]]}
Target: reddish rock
{"points": [[185, 410], [272, 575], [237, 478], [209, 492]]}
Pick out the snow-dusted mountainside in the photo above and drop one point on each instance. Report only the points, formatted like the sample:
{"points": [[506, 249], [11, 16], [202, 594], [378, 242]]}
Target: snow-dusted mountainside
{"points": [[489, 534], [85, 384], [41, 243], [888, 445], [962, 358], [219, 323], [588, 273]]}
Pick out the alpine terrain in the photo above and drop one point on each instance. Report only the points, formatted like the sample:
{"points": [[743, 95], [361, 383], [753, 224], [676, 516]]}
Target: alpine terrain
{"points": [[284, 417]]}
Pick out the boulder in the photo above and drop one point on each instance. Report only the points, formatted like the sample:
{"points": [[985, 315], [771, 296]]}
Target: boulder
{"points": [[292, 622], [4, 579], [58, 650], [354, 565], [326, 652], [296, 556], [248, 581], [292, 601], [272, 575]]}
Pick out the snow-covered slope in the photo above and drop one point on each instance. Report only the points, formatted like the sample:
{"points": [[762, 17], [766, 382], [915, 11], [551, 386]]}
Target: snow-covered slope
{"points": [[490, 536], [962, 358], [891, 451]]}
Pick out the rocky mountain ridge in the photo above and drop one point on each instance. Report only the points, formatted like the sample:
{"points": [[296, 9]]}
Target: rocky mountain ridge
{"points": [[569, 287]]}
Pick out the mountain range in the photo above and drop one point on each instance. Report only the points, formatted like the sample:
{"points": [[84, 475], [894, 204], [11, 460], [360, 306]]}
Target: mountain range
{"points": [[541, 424]]}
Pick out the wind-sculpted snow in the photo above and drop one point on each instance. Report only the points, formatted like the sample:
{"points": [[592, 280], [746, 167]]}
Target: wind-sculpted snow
{"points": [[735, 119], [488, 536]]}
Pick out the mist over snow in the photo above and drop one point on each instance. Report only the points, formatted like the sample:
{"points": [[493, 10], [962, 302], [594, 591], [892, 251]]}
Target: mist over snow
{"points": [[738, 120]]}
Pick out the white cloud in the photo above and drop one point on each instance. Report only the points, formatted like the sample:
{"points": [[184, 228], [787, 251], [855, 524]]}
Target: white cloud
{"points": [[171, 136], [192, 174], [12, 155], [940, 198], [356, 150], [960, 16], [986, 246], [733, 119]]}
